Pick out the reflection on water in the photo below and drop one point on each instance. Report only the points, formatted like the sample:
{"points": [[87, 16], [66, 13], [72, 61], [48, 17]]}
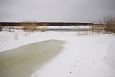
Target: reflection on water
{"points": [[23, 61]]}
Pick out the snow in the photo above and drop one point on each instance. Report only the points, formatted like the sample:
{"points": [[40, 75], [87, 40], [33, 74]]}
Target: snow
{"points": [[83, 55]]}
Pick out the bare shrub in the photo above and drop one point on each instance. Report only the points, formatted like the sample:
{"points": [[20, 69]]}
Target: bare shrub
{"points": [[33, 26], [109, 23], [29, 26], [105, 25], [1, 28], [45, 27], [98, 28]]}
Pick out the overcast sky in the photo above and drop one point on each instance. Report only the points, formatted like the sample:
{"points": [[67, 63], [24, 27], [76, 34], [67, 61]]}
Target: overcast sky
{"points": [[56, 10]]}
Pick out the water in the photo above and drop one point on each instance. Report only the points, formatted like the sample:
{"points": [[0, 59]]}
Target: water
{"points": [[23, 61]]}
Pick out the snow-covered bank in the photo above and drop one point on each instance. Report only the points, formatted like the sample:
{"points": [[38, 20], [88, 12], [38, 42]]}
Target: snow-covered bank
{"points": [[11, 40], [110, 57], [83, 56]]}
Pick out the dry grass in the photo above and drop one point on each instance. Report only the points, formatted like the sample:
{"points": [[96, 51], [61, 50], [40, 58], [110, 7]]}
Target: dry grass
{"points": [[1, 28], [28, 26], [32, 26], [109, 22], [43, 27], [98, 28], [105, 25]]}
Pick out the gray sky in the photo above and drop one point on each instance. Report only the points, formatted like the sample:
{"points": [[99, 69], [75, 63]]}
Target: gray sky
{"points": [[56, 10]]}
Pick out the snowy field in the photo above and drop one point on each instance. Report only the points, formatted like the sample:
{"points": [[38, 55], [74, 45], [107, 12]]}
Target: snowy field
{"points": [[82, 56]]}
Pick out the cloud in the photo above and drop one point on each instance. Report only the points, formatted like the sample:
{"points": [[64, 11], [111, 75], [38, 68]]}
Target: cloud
{"points": [[56, 10]]}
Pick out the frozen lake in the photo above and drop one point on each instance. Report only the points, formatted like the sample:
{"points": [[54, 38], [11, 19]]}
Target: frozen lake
{"points": [[56, 54]]}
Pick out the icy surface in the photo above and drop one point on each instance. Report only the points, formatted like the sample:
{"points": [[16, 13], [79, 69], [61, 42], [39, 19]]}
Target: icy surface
{"points": [[83, 55]]}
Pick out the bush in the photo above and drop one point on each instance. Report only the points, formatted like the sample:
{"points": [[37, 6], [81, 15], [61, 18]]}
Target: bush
{"points": [[1, 28], [109, 23], [29, 26], [43, 27]]}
